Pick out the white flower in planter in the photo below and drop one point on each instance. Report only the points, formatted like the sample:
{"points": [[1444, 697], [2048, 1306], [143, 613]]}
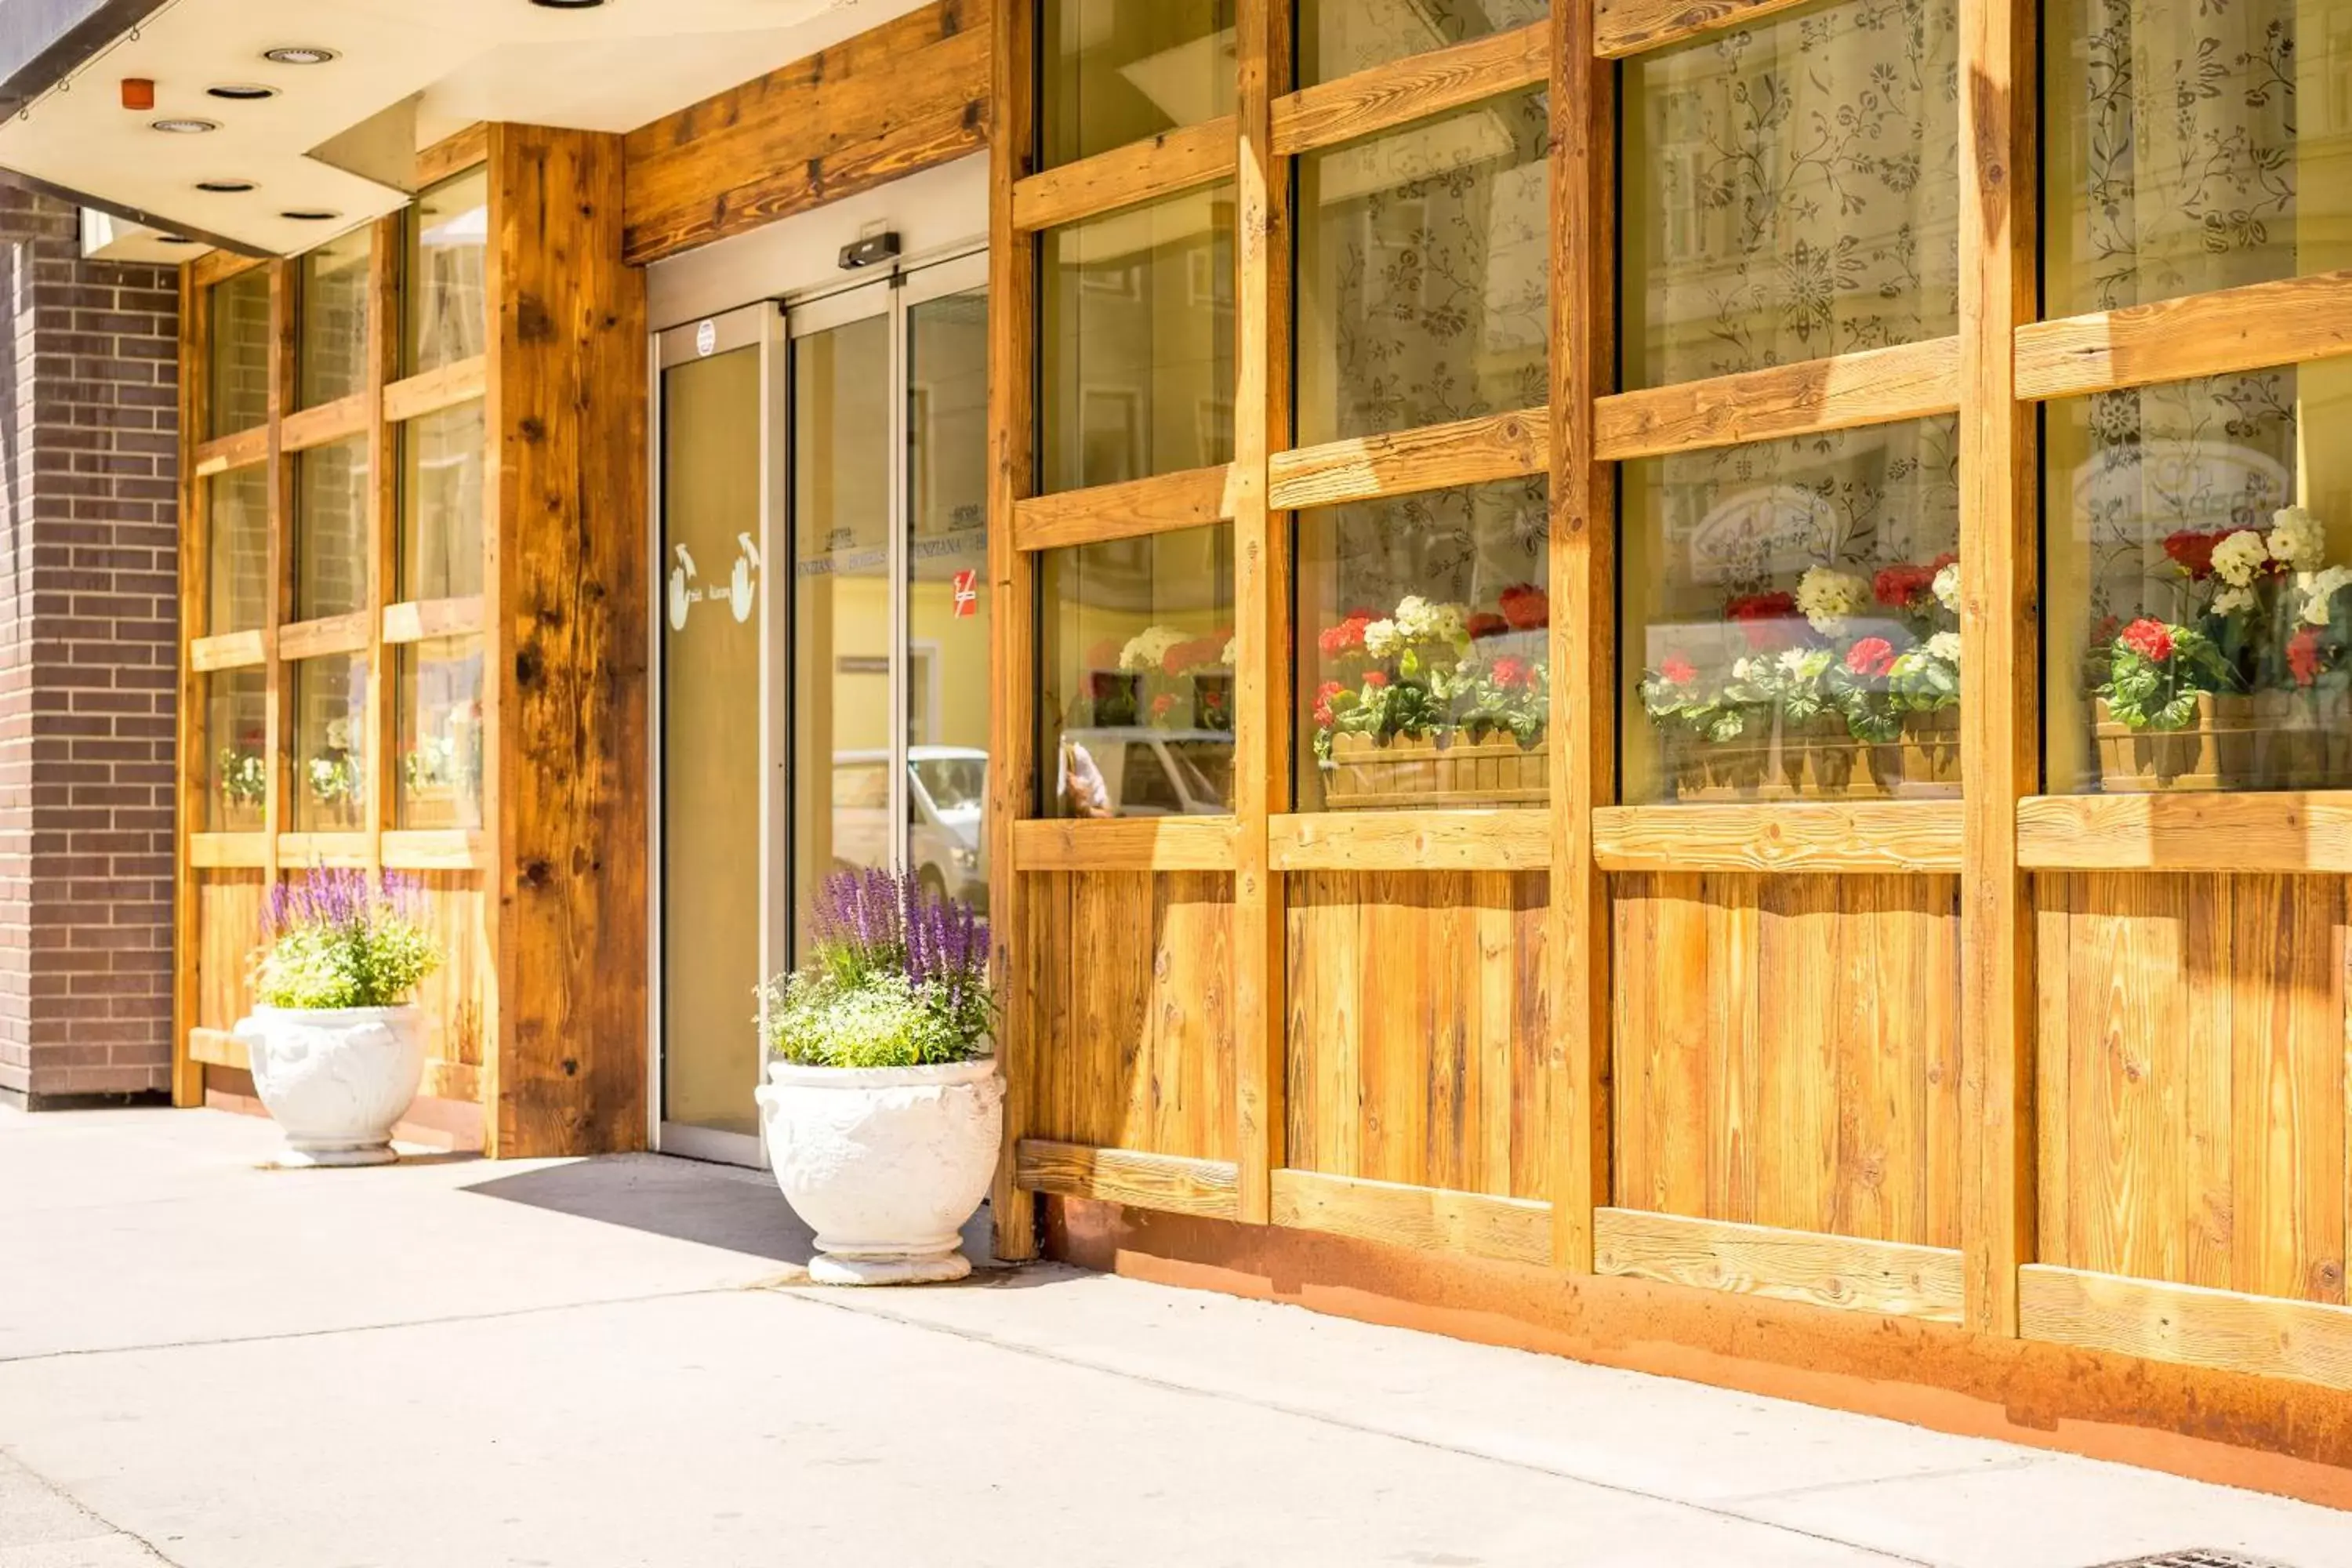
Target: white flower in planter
{"points": [[2319, 588], [2237, 558], [1945, 646], [1382, 639], [2297, 538], [1948, 587], [2229, 601], [1827, 597]]}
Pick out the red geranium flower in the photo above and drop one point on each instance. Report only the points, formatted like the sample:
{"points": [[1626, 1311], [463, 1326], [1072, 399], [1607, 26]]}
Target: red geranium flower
{"points": [[1870, 657], [1764, 618], [2151, 640], [2302, 656], [1323, 696], [1677, 670], [1162, 705], [1897, 587], [1487, 623], [1526, 606], [1375, 678], [1509, 672], [1946, 559], [1345, 637], [2193, 552]]}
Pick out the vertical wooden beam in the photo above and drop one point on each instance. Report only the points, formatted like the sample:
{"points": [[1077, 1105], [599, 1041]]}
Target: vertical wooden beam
{"points": [[382, 532], [1261, 593], [1583, 623], [2000, 677], [190, 774], [279, 732], [568, 625], [1013, 610]]}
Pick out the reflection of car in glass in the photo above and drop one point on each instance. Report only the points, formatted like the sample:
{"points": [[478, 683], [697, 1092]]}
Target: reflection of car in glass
{"points": [[1151, 773], [946, 796]]}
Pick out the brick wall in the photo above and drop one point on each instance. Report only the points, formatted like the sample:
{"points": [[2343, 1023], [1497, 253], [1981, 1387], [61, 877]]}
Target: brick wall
{"points": [[88, 622]]}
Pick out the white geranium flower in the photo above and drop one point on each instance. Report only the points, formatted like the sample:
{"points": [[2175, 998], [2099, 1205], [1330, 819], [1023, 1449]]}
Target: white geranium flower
{"points": [[2237, 558], [1226, 657], [2297, 538], [1827, 597], [1148, 648], [2229, 601], [2318, 588], [1948, 587], [1419, 620], [1804, 663], [1945, 646], [1382, 639], [339, 735], [1749, 669]]}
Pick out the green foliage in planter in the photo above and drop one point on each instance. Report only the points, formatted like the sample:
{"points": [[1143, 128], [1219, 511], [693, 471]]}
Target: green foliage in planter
{"points": [[898, 978], [335, 940], [2156, 672]]}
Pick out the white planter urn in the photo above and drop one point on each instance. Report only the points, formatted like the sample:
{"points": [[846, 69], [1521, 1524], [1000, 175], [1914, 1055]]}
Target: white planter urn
{"points": [[335, 1078], [884, 1163]]}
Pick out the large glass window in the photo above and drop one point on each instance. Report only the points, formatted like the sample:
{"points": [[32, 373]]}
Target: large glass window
{"points": [[1137, 341], [330, 515], [239, 356], [332, 355], [1136, 710], [2199, 590], [1115, 71], [1337, 37], [237, 750], [1792, 190], [330, 744], [2192, 146], [448, 272], [1423, 651], [1422, 258], [438, 689], [236, 524], [441, 500], [1792, 618]]}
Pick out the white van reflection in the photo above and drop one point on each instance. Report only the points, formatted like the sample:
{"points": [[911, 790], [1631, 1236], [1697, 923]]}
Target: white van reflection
{"points": [[946, 796], [1135, 771]]}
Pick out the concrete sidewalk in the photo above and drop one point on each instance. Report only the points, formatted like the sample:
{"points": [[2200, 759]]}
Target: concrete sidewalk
{"points": [[597, 1364]]}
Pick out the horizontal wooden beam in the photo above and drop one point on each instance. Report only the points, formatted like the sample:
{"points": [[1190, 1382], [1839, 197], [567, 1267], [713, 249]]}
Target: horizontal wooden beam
{"points": [[329, 634], [220, 266], [1499, 840], [2251, 327], [336, 421], [228, 851], [1873, 386], [452, 154], [437, 389], [2305, 1342], [1208, 1187], [1125, 844], [1429, 1219], [420, 619], [1413, 88], [1630, 27], [219, 1048], [1364, 467], [434, 850], [301, 851], [241, 450], [230, 650], [2287, 832], [1162, 165], [1862, 837], [1163, 502], [1896, 1278]]}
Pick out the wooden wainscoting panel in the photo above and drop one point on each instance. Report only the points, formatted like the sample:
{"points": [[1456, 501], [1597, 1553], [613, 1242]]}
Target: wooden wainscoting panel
{"points": [[1871, 837], [1513, 839], [454, 996], [1123, 844], [2272, 831], [2193, 1081], [1474, 1225], [1129, 1001], [227, 930], [2302, 1342], [1416, 1029], [1899, 1278], [1788, 1052], [1165, 1181]]}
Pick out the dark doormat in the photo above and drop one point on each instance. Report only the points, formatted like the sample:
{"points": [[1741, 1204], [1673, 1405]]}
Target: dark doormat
{"points": [[2198, 1557]]}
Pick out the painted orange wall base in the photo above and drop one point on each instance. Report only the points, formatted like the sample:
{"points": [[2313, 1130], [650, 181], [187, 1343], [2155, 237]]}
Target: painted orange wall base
{"points": [[2282, 1438]]}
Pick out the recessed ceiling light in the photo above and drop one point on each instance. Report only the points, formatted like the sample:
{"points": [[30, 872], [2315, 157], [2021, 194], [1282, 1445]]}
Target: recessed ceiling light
{"points": [[224, 187], [310, 215], [184, 127], [569, 5], [241, 91], [299, 54], [174, 239]]}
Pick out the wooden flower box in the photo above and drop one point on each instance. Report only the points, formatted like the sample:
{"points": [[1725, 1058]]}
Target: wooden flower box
{"points": [[1819, 760], [237, 816], [433, 806], [2215, 750], [1449, 770]]}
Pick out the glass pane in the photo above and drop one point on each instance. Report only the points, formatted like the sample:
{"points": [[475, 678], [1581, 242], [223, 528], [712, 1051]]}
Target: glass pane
{"points": [[1424, 656], [2181, 156], [441, 503], [1792, 626], [330, 510], [947, 596], [333, 354], [842, 621], [439, 692], [448, 272], [1339, 37], [1421, 262], [1137, 341], [239, 351], [1116, 72], [236, 508], [711, 722], [1792, 190], [330, 744], [237, 750], [2199, 587], [1135, 714]]}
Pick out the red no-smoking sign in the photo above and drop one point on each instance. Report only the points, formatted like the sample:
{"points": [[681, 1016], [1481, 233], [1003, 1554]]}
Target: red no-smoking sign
{"points": [[967, 594]]}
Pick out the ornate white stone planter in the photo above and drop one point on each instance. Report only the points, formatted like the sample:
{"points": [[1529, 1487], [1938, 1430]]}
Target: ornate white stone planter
{"points": [[335, 1078], [884, 1163]]}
